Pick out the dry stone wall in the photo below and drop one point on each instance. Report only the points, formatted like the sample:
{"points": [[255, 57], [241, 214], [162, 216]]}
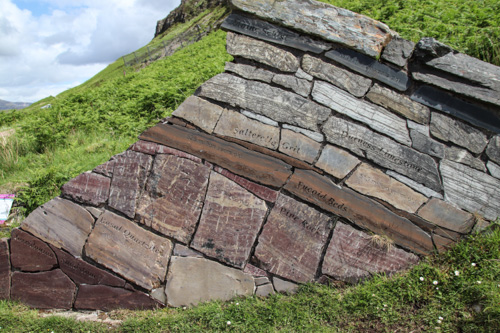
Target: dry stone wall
{"points": [[329, 149]]}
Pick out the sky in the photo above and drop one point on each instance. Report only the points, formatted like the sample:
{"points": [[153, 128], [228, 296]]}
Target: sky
{"points": [[48, 46]]}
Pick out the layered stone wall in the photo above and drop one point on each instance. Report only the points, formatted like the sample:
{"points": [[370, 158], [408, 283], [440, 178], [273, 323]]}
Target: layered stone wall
{"points": [[329, 149]]}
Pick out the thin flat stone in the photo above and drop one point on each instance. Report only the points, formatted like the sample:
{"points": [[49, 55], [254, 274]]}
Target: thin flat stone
{"points": [[471, 189], [424, 129], [366, 213], [326, 21], [336, 162], [272, 33], [426, 145], [303, 75], [355, 84], [171, 151], [383, 151], [494, 169], [130, 251], [299, 146], [96, 212], [259, 281], [144, 147], [449, 129], [282, 286], [236, 125], [463, 156], [241, 161], [87, 188], [354, 255], [414, 185], [299, 86], [199, 112], [45, 290], [265, 290], [191, 281], [184, 251], [372, 115], [493, 149], [375, 183], [398, 51], [249, 72], [229, 223], [253, 49], [442, 244], [278, 104], [260, 118], [447, 216], [5, 269], [398, 103], [105, 169], [254, 271], [159, 295], [108, 298], [60, 223], [30, 254], [370, 67], [292, 240], [318, 137]]}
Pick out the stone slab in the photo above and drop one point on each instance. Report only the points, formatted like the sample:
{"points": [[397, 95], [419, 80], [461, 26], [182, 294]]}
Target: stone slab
{"points": [[471, 189], [272, 33], [265, 290], [398, 103], [199, 112], [45, 290], [30, 254], [354, 255], [130, 251], [249, 72], [426, 145], [278, 104], [241, 161], [451, 130], [61, 223], [231, 219], [370, 67], [105, 169], [328, 22], [471, 113], [174, 197], [171, 151], [360, 210], [184, 251], [108, 298], [192, 281], [254, 271], [299, 86], [336, 162], [299, 146], [445, 215], [414, 185], [318, 137], [376, 183], [463, 156], [5, 269], [88, 188], [283, 286], [265, 53], [144, 147], [292, 240], [494, 169], [383, 151], [259, 281], [236, 125], [262, 119], [493, 149], [355, 84], [303, 75], [424, 129], [398, 51]]}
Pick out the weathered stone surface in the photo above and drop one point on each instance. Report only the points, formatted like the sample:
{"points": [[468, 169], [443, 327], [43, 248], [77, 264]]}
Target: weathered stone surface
{"points": [[159, 295], [108, 298], [88, 188], [105, 169], [374, 116], [184, 251], [336, 162], [493, 149], [256, 166], [272, 33], [254, 271], [230, 222], [447, 216], [194, 280], [458, 155], [426, 145], [82, 272], [446, 102], [96, 212], [375, 183], [4, 269], [362, 211], [199, 112], [43, 290], [494, 169], [442, 244], [449, 129], [249, 48], [471, 190], [303, 75], [292, 240], [355, 84], [414, 185], [275, 103], [236, 125], [249, 72], [127, 249], [365, 35], [265, 290], [398, 103], [424, 129], [144, 147], [299, 146], [481, 225], [262, 119], [383, 151], [398, 51], [129, 178], [370, 67], [171, 151], [354, 255], [259, 281], [283, 286], [318, 137], [60, 223], [262, 192], [30, 254], [299, 86]]}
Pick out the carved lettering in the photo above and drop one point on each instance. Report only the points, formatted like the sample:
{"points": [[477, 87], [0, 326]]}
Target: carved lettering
{"points": [[32, 245]]}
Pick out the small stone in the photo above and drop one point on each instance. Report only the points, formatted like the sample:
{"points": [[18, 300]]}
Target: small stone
{"points": [[184, 251], [261, 280], [303, 75], [398, 51], [318, 137], [414, 185], [87, 188], [5, 269], [336, 162], [494, 169], [426, 145], [424, 129], [30, 254], [481, 225], [299, 86], [463, 156], [265, 290], [105, 169], [299, 146], [159, 295], [255, 271], [447, 216], [260, 118], [249, 72], [199, 112], [107, 298], [493, 150], [171, 151], [144, 147], [282, 286], [262, 192], [96, 212], [442, 244]]}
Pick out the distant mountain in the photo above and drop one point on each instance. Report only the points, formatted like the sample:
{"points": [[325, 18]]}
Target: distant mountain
{"points": [[5, 105]]}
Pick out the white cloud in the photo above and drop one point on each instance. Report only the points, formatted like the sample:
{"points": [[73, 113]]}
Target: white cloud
{"points": [[48, 50]]}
